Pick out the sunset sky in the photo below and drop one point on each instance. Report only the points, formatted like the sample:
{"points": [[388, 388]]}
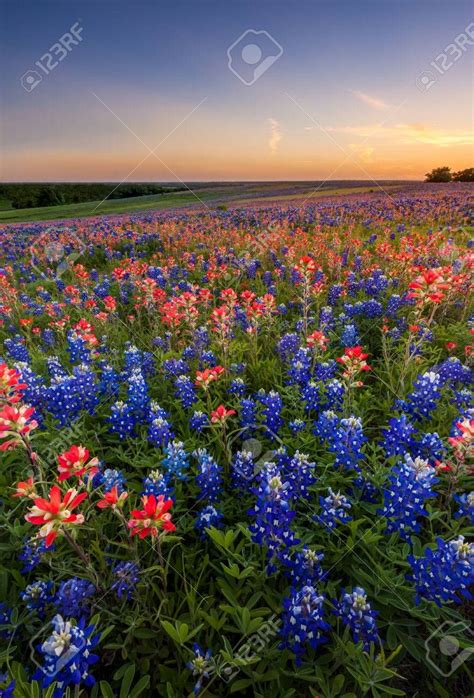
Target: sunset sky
{"points": [[345, 100]]}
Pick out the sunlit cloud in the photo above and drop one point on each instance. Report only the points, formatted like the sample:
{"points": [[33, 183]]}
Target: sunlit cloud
{"points": [[373, 102], [409, 134], [275, 135], [363, 152]]}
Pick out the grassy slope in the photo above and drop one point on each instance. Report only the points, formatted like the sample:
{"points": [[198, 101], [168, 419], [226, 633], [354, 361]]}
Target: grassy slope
{"points": [[231, 195]]}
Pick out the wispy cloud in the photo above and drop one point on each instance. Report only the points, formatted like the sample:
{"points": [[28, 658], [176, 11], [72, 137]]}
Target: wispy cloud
{"points": [[373, 102], [363, 152], [409, 134], [275, 135]]}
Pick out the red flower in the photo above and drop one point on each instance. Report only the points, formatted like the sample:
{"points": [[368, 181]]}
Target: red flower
{"points": [[76, 462], [450, 346], [112, 499], [26, 489], [54, 514], [354, 361], [15, 422], [220, 415], [153, 518], [317, 339], [205, 378], [10, 386]]}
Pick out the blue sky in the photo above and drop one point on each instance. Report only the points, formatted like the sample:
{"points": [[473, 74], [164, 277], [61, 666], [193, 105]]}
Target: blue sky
{"points": [[342, 95]]}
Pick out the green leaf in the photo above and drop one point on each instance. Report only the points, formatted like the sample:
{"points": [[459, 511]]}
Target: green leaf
{"points": [[106, 690], [171, 630], [141, 686], [127, 681]]}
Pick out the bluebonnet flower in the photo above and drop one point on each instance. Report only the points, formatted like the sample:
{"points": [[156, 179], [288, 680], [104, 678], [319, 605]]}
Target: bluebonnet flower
{"points": [[37, 596], [156, 483], [159, 429], [398, 437], [209, 516], [137, 393], [200, 665], [303, 621], [63, 399], [271, 413], [110, 478], [334, 395], [326, 319], [350, 336], [198, 421], [334, 510], [86, 387], [126, 576], [297, 425], [325, 370], [453, 371], [237, 387], [299, 371], [444, 574], [242, 471], [411, 483], [466, 506], [326, 425], [16, 348], [176, 461], [299, 473], [372, 309], [35, 391], [304, 567], [311, 395], [67, 656], [185, 391], [122, 419], [248, 415], [355, 612], [208, 479], [368, 491], [174, 367], [430, 447], [109, 382], [287, 345], [77, 348], [208, 357], [32, 553], [273, 516], [73, 597], [344, 436], [424, 399]]}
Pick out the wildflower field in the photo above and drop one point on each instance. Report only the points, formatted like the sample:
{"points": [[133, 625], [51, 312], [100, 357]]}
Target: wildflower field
{"points": [[235, 451]]}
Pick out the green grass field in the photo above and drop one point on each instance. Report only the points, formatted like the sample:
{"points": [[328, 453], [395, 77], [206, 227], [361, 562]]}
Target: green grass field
{"points": [[230, 194]]}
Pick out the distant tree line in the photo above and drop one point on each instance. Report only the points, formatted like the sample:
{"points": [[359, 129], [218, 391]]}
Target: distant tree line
{"points": [[444, 174], [37, 195]]}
